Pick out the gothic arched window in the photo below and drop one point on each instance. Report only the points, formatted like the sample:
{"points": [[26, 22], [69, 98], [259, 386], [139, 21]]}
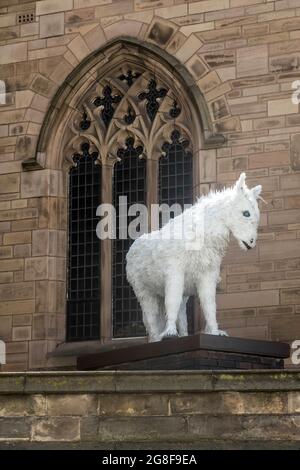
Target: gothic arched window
{"points": [[139, 126]]}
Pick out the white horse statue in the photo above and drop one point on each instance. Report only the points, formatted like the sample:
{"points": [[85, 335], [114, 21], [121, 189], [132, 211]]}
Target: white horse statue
{"points": [[165, 270]]}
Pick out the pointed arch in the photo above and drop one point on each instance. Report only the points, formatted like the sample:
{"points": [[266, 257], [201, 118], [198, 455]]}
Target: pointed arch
{"points": [[69, 96]]}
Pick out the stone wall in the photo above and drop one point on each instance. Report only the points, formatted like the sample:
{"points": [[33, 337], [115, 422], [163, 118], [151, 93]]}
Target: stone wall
{"points": [[244, 56], [158, 410]]}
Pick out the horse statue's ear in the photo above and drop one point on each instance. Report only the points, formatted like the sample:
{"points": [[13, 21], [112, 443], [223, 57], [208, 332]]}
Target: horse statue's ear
{"points": [[256, 191], [240, 184]]}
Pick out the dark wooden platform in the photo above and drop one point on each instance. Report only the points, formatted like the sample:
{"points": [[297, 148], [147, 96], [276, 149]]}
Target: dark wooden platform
{"points": [[198, 352]]}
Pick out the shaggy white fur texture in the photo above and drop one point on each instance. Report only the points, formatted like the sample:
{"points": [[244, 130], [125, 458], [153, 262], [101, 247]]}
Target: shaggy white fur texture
{"points": [[165, 272]]}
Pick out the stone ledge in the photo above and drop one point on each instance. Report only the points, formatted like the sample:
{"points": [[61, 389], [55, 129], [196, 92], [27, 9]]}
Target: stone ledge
{"points": [[203, 444], [148, 381], [150, 410]]}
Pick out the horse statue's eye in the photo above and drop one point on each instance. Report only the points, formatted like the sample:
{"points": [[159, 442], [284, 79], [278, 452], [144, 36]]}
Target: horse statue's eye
{"points": [[246, 214]]}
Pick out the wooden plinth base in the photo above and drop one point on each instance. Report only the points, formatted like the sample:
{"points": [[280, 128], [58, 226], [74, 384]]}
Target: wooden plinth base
{"points": [[198, 352]]}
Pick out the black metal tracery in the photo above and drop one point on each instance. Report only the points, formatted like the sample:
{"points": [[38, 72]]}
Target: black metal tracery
{"points": [[129, 77], [130, 116], [152, 96], [175, 110], [106, 102], [85, 122]]}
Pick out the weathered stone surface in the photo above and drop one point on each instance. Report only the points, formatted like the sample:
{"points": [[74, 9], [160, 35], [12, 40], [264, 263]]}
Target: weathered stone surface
{"points": [[36, 268], [126, 405], [56, 429], [252, 61], [220, 59], [191, 45], [51, 25], [13, 53], [229, 402], [283, 106], [51, 6], [247, 427], [207, 160], [17, 291], [269, 159], [22, 405], [14, 427], [295, 151], [123, 428], [248, 299], [66, 405], [9, 183]]}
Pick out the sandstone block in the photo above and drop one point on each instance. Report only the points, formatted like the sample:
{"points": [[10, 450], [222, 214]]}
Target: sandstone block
{"points": [[221, 403], [280, 107], [5, 252], [6, 327], [52, 6], [90, 3], [11, 264], [56, 429], [21, 405], [21, 333], [295, 151], [208, 5], [284, 217], [125, 428], [14, 427], [140, 405], [13, 53], [17, 307], [269, 159], [290, 297], [30, 29], [79, 48], [248, 299], [279, 249], [36, 268], [252, 61], [191, 45], [95, 38], [51, 25], [37, 354], [207, 164], [68, 405], [16, 291], [9, 183], [115, 8], [15, 238]]}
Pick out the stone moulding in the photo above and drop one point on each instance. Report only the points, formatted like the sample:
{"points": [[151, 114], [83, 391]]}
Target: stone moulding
{"points": [[90, 70], [53, 382]]}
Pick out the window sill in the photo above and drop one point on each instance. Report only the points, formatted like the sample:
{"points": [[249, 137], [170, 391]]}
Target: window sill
{"points": [[77, 348]]}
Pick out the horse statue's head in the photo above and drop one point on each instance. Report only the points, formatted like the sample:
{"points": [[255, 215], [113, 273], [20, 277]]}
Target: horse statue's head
{"points": [[243, 216]]}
